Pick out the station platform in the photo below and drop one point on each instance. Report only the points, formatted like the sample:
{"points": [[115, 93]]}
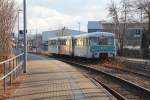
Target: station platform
{"points": [[49, 79]]}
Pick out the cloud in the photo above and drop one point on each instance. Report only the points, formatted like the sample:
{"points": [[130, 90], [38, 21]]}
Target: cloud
{"points": [[53, 14], [46, 18]]}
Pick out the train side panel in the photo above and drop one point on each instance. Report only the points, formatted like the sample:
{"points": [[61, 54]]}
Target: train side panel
{"points": [[81, 51]]}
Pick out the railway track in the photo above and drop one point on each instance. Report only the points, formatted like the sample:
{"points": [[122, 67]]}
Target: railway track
{"points": [[121, 88], [140, 73], [112, 91], [126, 89], [141, 78]]}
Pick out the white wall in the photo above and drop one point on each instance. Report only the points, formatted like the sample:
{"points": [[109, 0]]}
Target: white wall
{"points": [[50, 34], [95, 25]]}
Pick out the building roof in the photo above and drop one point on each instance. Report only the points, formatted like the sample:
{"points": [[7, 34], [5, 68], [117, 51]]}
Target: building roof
{"points": [[57, 33]]}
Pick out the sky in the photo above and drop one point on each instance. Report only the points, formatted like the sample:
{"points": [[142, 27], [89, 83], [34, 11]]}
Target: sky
{"points": [[45, 15]]}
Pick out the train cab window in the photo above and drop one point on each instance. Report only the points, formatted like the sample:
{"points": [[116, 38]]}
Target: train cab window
{"points": [[52, 42], [93, 41], [103, 41], [111, 41]]}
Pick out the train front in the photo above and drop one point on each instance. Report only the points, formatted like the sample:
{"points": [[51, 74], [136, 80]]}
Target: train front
{"points": [[103, 45]]}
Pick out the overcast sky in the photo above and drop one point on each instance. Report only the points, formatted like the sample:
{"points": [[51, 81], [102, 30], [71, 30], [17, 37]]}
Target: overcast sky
{"points": [[53, 14]]}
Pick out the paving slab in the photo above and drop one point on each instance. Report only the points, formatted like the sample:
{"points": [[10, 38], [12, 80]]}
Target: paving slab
{"points": [[49, 79]]}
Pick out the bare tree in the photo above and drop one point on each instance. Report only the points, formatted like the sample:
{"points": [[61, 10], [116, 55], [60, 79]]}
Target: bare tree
{"points": [[7, 23], [114, 13], [144, 5], [121, 16]]}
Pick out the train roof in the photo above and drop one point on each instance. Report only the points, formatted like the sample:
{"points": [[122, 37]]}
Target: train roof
{"points": [[62, 37], [53, 38], [95, 34], [65, 37]]}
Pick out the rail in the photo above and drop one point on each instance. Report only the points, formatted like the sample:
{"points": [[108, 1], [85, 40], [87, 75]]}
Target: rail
{"points": [[141, 91], [11, 68]]}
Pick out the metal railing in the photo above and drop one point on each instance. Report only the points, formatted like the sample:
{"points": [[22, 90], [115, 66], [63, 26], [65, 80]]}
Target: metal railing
{"points": [[10, 69]]}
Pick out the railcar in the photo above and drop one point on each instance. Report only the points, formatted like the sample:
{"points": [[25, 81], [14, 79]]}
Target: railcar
{"points": [[95, 45], [88, 45]]}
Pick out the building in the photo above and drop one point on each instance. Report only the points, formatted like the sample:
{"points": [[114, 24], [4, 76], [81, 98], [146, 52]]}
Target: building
{"points": [[34, 43], [56, 33], [94, 26], [133, 35]]}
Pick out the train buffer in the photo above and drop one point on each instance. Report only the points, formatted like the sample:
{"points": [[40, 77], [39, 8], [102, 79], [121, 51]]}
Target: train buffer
{"points": [[49, 79]]}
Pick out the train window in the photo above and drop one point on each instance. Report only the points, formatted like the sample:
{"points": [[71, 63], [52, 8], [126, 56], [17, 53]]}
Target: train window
{"points": [[93, 41], [84, 42], [67, 42], [87, 41], [103, 41], [53, 42], [110, 41], [79, 42], [63, 42], [75, 42]]}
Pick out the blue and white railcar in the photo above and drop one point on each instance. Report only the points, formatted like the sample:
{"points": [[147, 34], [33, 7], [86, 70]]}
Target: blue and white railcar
{"points": [[95, 45], [53, 45]]}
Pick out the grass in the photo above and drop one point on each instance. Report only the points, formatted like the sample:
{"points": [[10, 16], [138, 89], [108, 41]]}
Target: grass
{"points": [[10, 88]]}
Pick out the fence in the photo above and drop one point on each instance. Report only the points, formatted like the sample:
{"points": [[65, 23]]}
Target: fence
{"points": [[11, 69]]}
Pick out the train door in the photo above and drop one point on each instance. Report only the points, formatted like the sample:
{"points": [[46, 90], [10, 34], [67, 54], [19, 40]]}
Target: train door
{"points": [[58, 45], [72, 46]]}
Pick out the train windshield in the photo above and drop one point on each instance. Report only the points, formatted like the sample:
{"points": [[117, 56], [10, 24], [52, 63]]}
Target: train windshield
{"points": [[102, 41]]}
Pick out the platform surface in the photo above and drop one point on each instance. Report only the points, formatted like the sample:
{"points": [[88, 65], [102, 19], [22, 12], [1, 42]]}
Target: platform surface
{"points": [[49, 79]]}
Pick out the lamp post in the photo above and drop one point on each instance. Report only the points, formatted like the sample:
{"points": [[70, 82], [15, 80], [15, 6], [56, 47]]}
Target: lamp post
{"points": [[141, 14], [141, 9], [25, 36], [18, 25]]}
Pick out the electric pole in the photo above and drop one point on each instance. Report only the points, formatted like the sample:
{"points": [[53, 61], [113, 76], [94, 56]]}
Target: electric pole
{"points": [[25, 35]]}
